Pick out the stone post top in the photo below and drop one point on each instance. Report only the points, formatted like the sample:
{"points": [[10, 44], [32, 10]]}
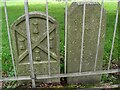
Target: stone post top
{"points": [[89, 3], [33, 14]]}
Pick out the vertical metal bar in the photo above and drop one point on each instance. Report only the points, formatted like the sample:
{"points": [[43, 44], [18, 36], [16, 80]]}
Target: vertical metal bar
{"points": [[0, 47], [29, 43], [48, 37], [9, 38], [99, 33], [115, 28], [118, 33], [66, 18], [83, 29]]}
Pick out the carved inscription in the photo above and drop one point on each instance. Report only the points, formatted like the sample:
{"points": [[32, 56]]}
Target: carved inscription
{"points": [[37, 54], [22, 43], [35, 31], [51, 42]]}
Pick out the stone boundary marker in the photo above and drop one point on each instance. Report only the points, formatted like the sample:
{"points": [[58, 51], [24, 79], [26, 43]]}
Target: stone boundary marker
{"points": [[74, 36], [39, 45]]}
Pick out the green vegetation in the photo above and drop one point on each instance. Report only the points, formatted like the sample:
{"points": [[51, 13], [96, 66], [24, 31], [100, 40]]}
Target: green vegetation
{"points": [[56, 10]]}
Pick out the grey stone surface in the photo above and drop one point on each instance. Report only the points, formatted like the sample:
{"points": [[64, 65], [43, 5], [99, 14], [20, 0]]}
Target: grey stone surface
{"points": [[39, 45], [92, 18]]}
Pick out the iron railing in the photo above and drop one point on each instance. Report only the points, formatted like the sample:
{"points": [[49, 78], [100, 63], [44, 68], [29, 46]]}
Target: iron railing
{"points": [[32, 76]]}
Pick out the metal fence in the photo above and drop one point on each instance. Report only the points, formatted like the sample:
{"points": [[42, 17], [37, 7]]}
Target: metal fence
{"points": [[32, 77]]}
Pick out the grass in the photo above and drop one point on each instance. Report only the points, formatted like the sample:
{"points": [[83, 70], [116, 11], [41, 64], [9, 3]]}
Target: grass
{"points": [[56, 10]]}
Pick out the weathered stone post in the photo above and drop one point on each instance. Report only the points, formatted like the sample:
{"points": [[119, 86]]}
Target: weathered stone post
{"points": [[92, 20], [39, 45]]}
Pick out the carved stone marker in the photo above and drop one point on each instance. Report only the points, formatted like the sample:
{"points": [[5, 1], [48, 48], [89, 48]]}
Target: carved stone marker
{"points": [[92, 18], [39, 45]]}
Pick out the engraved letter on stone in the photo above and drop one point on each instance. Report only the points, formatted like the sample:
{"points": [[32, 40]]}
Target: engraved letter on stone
{"points": [[51, 43], [37, 54], [36, 28], [22, 44]]}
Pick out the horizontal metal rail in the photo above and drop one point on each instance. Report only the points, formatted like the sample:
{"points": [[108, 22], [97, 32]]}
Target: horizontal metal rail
{"points": [[61, 75]]}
